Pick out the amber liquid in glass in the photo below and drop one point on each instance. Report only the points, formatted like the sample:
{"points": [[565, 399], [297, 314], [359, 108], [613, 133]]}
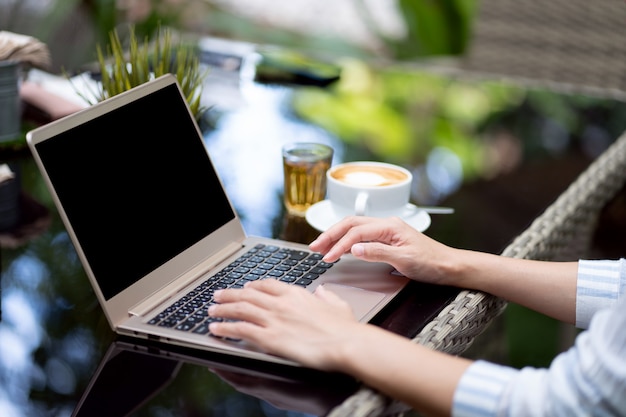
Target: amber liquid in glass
{"points": [[305, 177]]}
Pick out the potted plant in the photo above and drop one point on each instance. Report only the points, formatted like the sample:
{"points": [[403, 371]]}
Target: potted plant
{"points": [[124, 68]]}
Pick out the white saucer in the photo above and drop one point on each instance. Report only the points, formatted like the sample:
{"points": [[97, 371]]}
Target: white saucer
{"points": [[321, 216]]}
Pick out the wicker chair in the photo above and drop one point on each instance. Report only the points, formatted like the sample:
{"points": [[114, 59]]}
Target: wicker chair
{"points": [[570, 46], [564, 45]]}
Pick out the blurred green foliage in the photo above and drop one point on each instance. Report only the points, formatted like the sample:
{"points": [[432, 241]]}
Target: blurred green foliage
{"points": [[434, 28], [401, 115]]}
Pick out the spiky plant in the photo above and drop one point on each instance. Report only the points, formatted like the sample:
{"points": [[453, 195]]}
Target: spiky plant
{"points": [[123, 69]]}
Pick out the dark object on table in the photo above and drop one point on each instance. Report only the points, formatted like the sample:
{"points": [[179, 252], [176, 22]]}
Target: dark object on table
{"points": [[288, 67]]}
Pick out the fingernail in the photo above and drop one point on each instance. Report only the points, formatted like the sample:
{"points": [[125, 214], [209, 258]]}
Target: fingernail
{"points": [[211, 309], [217, 294]]}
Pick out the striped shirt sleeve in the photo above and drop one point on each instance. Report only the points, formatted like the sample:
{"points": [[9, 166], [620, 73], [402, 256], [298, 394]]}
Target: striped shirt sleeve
{"points": [[577, 378], [600, 284], [481, 389]]}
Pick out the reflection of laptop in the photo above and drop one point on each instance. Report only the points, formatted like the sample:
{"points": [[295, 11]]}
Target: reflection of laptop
{"points": [[150, 219], [149, 367]]}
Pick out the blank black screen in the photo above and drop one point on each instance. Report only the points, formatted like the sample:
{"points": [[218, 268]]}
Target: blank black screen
{"points": [[137, 186]]}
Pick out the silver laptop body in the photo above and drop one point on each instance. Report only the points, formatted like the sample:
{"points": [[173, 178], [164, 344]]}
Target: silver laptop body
{"points": [[150, 218]]}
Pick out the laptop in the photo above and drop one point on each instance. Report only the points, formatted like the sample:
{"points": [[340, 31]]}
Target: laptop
{"points": [[154, 227]]}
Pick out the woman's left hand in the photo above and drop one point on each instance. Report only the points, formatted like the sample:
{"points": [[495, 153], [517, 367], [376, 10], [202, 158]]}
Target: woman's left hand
{"points": [[287, 321]]}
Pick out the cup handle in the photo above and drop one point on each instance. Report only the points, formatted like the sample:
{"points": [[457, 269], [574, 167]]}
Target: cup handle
{"points": [[360, 203]]}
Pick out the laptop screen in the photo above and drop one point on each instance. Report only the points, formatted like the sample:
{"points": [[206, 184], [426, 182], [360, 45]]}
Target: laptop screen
{"points": [[137, 185]]}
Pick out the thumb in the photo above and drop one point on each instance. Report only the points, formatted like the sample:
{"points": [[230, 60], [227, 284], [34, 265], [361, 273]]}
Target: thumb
{"points": [[373, 252]]}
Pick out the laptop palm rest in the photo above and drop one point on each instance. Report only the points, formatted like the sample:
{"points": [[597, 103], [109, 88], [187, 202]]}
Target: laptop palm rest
{"points": [[362, 301]]}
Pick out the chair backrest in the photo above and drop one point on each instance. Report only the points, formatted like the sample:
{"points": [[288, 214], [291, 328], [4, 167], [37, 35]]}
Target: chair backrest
{"points": [[565, 230], [566, 45]]}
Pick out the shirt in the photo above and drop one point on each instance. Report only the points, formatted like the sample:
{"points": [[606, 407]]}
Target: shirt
{"points": [[589, 379]]}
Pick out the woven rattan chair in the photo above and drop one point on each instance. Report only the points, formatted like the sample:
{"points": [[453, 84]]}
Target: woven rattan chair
{"points": [[564, 45], [570, 46]]}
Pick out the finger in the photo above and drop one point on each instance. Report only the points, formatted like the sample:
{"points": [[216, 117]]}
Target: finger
{"points": [[333, 243], [358, 230], [238, 330], [239, 310], [327, 239], [375, 252], [254, 291], [270, 286]]}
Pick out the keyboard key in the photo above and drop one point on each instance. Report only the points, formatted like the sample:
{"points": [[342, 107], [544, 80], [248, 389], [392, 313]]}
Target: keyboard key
{"points": [[303, 282], [298, 255]]}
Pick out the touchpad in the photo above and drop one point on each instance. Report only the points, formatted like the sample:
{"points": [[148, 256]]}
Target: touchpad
{"points": [[362, 301]]}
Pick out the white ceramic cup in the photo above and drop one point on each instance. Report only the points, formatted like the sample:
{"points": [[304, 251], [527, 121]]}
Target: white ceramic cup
{"points": [[368, 188]]}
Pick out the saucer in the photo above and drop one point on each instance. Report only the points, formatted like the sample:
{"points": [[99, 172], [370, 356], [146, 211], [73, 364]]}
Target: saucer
{"points": [[321, 216]]}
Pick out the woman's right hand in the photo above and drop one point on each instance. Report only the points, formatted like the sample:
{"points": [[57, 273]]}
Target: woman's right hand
{"points": [[389, 240], [546, 287]]}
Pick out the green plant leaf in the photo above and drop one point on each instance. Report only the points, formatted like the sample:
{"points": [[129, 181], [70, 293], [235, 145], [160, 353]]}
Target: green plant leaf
{"points": [[123, 68]]}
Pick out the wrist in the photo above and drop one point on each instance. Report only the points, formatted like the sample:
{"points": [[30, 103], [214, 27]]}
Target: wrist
{"points": [[359, 348], [463, 268]]}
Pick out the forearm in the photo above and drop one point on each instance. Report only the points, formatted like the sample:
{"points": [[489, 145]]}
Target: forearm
{"points": [[420, 377], [546, 287]]}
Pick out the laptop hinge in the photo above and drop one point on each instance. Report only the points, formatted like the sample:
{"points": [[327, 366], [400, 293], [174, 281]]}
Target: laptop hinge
{"points": [[178, 284]]}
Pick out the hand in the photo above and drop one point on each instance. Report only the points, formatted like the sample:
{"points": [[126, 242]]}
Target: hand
{"points": [[287, 320], [319, 331], [423, 259], [387, 240]]}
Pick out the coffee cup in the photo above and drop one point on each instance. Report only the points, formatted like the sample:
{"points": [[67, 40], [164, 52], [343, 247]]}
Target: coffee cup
{"points": [[368, 188]]}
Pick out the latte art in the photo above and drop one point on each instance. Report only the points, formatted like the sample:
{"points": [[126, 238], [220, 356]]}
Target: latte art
{"points": [[368, 175]]}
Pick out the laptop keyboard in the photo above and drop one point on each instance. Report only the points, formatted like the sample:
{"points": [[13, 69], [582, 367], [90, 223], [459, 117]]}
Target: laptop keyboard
{"points": [[295, 267]]}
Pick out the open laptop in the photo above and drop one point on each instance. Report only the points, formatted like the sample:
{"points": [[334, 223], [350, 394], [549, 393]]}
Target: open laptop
{"points": [[151, 221]]}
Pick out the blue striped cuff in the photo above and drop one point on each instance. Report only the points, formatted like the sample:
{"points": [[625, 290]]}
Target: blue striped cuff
{"points": [[480, 389], [598, 286]]}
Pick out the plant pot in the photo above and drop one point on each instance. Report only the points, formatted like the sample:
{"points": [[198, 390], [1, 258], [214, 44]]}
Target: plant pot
{"points": [[10, 103]]}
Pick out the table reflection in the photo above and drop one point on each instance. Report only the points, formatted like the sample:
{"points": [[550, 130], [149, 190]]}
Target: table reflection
{"points": [[297, 229], [132, 373]]}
